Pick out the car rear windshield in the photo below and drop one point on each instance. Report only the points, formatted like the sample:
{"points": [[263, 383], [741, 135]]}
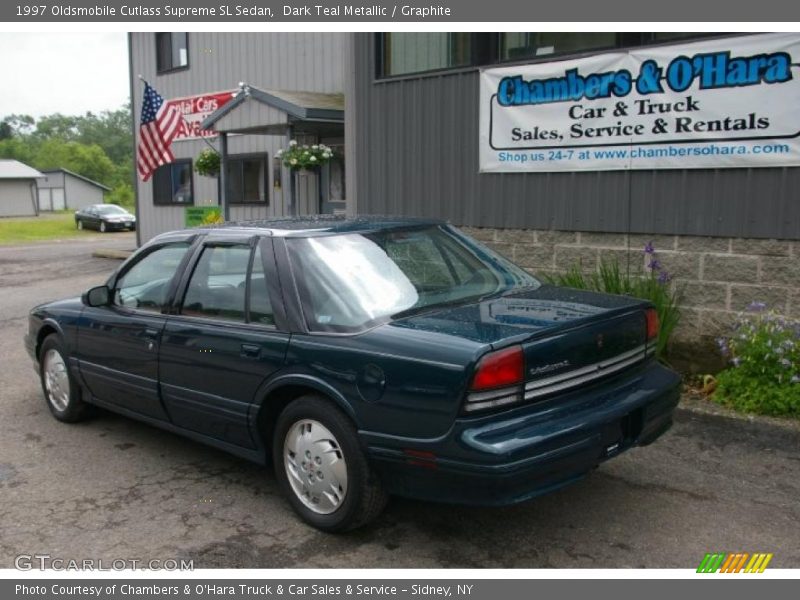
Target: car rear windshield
{"points": [[350, 282]]}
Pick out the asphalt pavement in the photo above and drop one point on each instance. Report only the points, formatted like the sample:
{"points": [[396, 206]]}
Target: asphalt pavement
{"points": [[112, 488]]}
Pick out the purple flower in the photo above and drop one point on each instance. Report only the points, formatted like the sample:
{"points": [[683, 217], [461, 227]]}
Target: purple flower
{"points": [[795, 378], [756, 307], [649, 248], [736, 361], [654, 265], [664, 278], [786, 363]]}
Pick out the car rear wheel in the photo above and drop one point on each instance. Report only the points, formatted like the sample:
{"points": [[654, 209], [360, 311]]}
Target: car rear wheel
{"points": [[102, 226], [80, 224], [62, 394], [321, 468]]}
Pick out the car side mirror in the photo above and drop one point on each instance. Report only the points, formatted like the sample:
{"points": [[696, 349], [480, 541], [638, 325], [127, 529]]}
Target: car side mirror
{"points": [[97, 296]]}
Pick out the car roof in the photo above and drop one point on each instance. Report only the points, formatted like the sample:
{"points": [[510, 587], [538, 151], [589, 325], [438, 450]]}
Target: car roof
{"points": [[104, 204], [311, 225]]}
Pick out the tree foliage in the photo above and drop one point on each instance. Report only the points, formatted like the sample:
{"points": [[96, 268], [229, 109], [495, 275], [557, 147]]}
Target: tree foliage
{"points": [[97, 146]]}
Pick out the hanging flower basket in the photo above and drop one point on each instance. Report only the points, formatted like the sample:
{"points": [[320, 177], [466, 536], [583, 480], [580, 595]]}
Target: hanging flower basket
{"points": [[298, 157], [207, 163]]}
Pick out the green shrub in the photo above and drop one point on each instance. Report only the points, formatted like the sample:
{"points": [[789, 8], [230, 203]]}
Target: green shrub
{"points": [[656, 286], [764, 372], [122, 195]]}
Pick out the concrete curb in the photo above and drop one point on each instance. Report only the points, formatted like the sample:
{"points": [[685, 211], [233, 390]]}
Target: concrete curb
{"points": [[695, 402], [110, 253]]}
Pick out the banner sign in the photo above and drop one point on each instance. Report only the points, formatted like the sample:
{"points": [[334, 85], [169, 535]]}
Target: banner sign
{"points": [[730, 102], [195, 109]]}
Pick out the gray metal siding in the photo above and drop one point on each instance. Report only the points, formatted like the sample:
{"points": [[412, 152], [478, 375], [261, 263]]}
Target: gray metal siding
{"points": [[51, 180], [218, 62], [17, 197], [79, 193], [417, 154]]}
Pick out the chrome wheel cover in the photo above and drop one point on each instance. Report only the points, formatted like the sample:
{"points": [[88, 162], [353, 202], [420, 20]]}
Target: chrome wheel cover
{"points": [[56, 380], [315, 466]]}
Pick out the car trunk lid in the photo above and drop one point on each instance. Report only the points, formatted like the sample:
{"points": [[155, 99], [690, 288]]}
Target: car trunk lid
{"points": [[568, 337]]}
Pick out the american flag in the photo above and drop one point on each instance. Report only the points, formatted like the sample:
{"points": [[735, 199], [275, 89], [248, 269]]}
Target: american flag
{"points": [[160, 124]]}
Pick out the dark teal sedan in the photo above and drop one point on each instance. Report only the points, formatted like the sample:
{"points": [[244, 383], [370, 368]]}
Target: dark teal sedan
{"points": [[362, 357]]}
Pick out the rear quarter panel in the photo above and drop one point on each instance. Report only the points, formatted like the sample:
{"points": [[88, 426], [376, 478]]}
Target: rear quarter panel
{"points": [[398, 381]]}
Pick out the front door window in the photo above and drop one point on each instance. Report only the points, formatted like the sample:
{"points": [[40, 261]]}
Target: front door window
{"points": [[145, 285]]}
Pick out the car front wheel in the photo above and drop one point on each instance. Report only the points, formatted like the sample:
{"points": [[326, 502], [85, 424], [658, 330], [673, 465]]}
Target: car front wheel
{"points": [[321, 468], [62, 394]]}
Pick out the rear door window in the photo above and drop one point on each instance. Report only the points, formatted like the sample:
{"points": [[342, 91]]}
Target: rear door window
{"points": [[218, 284], [260, 306]]}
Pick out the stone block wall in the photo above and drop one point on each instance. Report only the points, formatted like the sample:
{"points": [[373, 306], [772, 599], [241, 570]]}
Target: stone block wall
{"points": [[719, 277]]}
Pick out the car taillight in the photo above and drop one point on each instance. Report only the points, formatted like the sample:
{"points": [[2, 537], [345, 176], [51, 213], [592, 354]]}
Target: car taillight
{"points": [[498, 379], [498, 369], [652, 325]]}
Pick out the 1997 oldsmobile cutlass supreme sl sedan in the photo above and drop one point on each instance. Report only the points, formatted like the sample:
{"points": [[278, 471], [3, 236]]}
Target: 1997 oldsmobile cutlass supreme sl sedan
{"points": [[363, 357]]}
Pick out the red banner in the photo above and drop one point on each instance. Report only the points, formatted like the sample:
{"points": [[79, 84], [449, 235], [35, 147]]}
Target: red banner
{"points": [[195, 109]]}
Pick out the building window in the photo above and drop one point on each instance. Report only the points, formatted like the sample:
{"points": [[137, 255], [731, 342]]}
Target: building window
{"points": [[248, 179], [521, 45], [172, 51], [401, 53], [405, 52], [172, 183]]}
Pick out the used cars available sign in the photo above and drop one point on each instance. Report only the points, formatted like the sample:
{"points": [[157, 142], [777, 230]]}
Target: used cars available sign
{"points": [[730, 102], [195, 109]]}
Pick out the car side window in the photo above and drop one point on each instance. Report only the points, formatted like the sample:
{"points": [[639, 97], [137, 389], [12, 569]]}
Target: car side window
{"points": [[144, 286], [218, 284], [260, 305]]}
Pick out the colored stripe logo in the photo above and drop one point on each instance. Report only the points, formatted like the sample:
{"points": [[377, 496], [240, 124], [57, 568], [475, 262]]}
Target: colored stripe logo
{"points": [[738, 562]]}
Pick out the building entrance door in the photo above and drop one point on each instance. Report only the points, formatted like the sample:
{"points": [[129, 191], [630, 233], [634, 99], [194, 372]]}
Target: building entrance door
{"points": [[322, 190], [333, 197], [57, 198]]}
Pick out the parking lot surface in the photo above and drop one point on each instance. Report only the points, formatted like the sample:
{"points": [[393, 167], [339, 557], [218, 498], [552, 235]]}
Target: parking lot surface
{"points": [[112, 488]]}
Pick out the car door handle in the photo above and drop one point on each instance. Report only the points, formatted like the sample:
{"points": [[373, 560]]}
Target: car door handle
{"points": [[250, 350], [151, 336]]}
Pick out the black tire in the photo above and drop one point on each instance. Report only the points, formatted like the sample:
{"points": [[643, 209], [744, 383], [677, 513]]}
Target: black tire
{"points": [[75, 409], [364, 499]]}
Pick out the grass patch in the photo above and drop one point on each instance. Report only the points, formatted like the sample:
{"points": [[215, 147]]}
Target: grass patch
{"points": [[53, 226]]}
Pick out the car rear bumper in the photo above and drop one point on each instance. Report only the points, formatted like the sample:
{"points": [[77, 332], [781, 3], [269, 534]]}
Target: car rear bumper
{"points": [[510, 457]]}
